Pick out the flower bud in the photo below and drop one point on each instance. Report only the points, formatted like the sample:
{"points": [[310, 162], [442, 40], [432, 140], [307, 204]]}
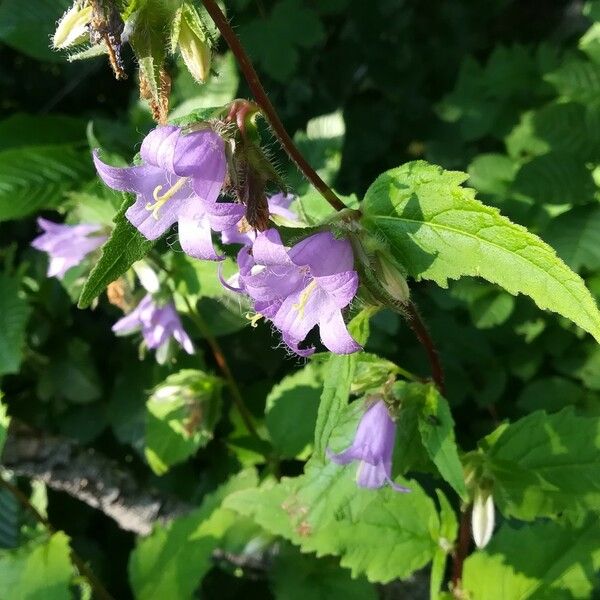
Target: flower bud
{"points": [[482, 517], [194, 44], [72, 26]]}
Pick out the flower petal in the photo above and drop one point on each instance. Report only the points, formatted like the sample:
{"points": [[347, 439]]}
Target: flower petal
{"points": [[223, 215], [323, 254], [145, 221], [268, 249], [335, 336], [341, 287], [158, 147], [124, 179], [195, 235], [293, 345], [371, 476]]}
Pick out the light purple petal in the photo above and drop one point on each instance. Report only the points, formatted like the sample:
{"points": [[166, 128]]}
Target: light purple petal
{"points": [[293, 345], [143, 219], [335, 336], [124, 179], [323, 254], [371, 476], [223, 215], [158, 147], [341, 287], [268, 249], [199, 154], [195, 235], [183, 339], [279, 204]]}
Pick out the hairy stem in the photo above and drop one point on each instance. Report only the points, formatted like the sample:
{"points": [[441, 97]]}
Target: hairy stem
{"points": [[462, 549], [420, 329], [224, 366], [266, 106], [100, 591]]}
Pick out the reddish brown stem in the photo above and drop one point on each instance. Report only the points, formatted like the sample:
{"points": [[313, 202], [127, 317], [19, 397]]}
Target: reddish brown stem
{"points": [[420, 329], [462, 548], [265, 104]]}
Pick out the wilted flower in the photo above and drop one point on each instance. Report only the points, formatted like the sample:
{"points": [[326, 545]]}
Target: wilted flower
{"points": [[179, 180], [73, 26], [158, 324], [482, 517], [373, 446], [301, 287], [279, 204], [66, 245]]}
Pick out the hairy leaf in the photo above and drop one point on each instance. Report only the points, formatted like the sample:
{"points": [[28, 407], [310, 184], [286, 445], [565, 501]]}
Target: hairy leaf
{"points": [[439, 231]]}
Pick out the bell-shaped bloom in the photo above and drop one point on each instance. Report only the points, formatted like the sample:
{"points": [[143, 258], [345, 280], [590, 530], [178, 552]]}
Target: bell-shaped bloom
{"points": [[301, 287], [66, 245], [279, 204], [372, 446], [158, 324], [482, 517], [179, 180]]}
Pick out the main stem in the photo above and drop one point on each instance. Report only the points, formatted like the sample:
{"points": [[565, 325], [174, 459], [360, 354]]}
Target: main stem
{"points": [[100, 591], [462, 549], [420, 329], [265, 104]]}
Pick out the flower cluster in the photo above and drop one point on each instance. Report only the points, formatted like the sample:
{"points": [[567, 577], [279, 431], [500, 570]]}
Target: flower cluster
{"points": [[158, 324], [372, 446], [66, 245]]}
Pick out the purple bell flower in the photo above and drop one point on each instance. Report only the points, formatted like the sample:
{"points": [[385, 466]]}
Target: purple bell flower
{"points": [[301, 287], [66, 245], [158, 325], [373, 446], [179, 180], [279, 204]]}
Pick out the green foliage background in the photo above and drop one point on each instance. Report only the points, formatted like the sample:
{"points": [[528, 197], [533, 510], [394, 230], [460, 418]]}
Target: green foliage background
{"points": [[509, 94]]}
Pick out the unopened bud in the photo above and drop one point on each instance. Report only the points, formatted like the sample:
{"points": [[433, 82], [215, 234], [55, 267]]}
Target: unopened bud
{"points": [[482, 517], [194, 44], [72, 27]]}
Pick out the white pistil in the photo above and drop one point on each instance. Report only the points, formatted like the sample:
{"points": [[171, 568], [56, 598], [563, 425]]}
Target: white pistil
{"points": [[159, 200], [304, 296], [254, 318]]}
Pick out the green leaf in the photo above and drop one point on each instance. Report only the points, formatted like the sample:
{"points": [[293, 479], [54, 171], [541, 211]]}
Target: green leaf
{"points": [[492, 173], [38, 570], [544, 464], [4, 423], [171, 561], [10, 519], [541, 561], [381, 533], [14, 314], [125, 246], [448, 534], [28, 28], [274, 41], [291, 410], [550, 394], [436, 427], [181, 414], [337, 378], [555, 178], [439, 231], [36, 177], [576, 236], [298, 576], [492, 310], [38, 130], [576, 79]]}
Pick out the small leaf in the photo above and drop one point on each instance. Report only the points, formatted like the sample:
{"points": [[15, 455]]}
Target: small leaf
{"points": [[439, 231], [14, 314], [171, 561], [125, 246], [544, 464], [40, 569], [541, 561]]}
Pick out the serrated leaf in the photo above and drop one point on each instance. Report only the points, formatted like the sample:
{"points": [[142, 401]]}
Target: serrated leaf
{"points": [[541, 561], [171, 561], [555, 178], [125, 246], [439, 231], [576, 236], [36, 177], [381, 533], [576, 79], [436, 427], [544, 464], [181, 414], [297, 576], [291, 410], [337, 378], [14, 314], [40, 569]]}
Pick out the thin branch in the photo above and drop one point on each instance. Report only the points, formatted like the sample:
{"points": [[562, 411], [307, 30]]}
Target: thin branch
{"points": [[462, 549], [420, 329], [266, 106], [100, 591], [222, 363]]}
